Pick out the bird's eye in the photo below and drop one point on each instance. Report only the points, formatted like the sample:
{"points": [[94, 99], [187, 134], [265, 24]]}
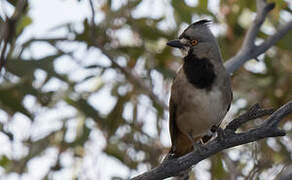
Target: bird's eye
{"points": [[194, 42]]}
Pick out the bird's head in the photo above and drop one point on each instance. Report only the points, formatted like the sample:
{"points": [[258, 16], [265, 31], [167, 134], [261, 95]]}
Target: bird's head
{"points": [[196, 39]]}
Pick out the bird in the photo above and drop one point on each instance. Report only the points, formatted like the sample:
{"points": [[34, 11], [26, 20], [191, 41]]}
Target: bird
{"points": [[201, 91]]}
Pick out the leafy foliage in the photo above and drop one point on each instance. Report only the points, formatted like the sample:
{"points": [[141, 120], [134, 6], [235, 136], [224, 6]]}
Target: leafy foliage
{"points": [[103, 97]]}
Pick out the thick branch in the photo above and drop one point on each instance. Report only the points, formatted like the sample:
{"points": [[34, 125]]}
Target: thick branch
{"points": [[249, 50], [230, 139], [267, 129]]}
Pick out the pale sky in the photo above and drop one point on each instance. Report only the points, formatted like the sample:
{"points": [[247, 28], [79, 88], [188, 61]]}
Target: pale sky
{"points": [[47, 15], [96, 165]]}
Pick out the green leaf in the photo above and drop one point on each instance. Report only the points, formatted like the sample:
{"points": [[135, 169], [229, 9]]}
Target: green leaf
{"points": [[11, 100], [203, 4], [4, 161], [23, 23], [182, 11], [285, 42], [27, 68], [109, 3], [83, 106], [12, 2], [114, 150], [115, 117]]}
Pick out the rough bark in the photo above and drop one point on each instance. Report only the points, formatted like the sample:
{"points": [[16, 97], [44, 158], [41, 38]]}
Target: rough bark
{"points": [[227, 138]]}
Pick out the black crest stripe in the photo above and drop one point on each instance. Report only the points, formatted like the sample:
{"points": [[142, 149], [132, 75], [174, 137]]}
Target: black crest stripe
{"points": [[202, 22]]}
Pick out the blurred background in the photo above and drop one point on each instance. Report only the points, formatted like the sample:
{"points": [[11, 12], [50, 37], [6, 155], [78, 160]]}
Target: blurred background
{"points": [[85, 89]]}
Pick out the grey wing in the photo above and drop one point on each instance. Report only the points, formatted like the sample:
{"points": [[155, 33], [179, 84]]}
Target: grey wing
{"points": [[228, 95]]}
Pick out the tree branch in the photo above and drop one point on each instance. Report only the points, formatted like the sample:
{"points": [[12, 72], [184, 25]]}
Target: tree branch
{"points": [[9, 29], [230, 139], [286, 174], [254, 112], [249, 50]]}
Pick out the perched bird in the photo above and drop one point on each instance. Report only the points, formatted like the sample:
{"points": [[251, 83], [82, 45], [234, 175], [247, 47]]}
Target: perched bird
{"points": [[201, 92]]}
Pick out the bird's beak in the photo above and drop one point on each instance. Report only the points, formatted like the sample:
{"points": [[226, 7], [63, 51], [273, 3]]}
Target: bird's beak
{"points": [[175, 44]]}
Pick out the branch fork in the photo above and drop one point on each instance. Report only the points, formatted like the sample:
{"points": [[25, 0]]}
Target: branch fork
{"points": [[228, 137], [249, 50], [269, 128]]}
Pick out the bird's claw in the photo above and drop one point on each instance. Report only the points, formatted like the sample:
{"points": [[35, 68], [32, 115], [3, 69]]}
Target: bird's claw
{"points": [[171, 155], [168, 157], [200, 148], [223, 134], [220, 133]]}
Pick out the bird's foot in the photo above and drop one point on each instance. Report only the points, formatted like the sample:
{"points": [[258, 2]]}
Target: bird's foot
{"points": [[223, 134], [199, 147], [220, 133], [171, 156], [168, 157], [205, 139]]}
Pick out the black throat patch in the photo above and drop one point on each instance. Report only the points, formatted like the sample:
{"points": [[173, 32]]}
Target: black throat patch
{"points": [[199, 72]]}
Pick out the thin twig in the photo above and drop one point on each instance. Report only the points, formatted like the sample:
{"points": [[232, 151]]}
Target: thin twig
{"points": [[92, 13], [254, 112], [9, 30]]}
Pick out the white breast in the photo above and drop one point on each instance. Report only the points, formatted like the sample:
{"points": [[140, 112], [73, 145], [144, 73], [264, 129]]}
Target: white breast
{"points": [[204, 109]]}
